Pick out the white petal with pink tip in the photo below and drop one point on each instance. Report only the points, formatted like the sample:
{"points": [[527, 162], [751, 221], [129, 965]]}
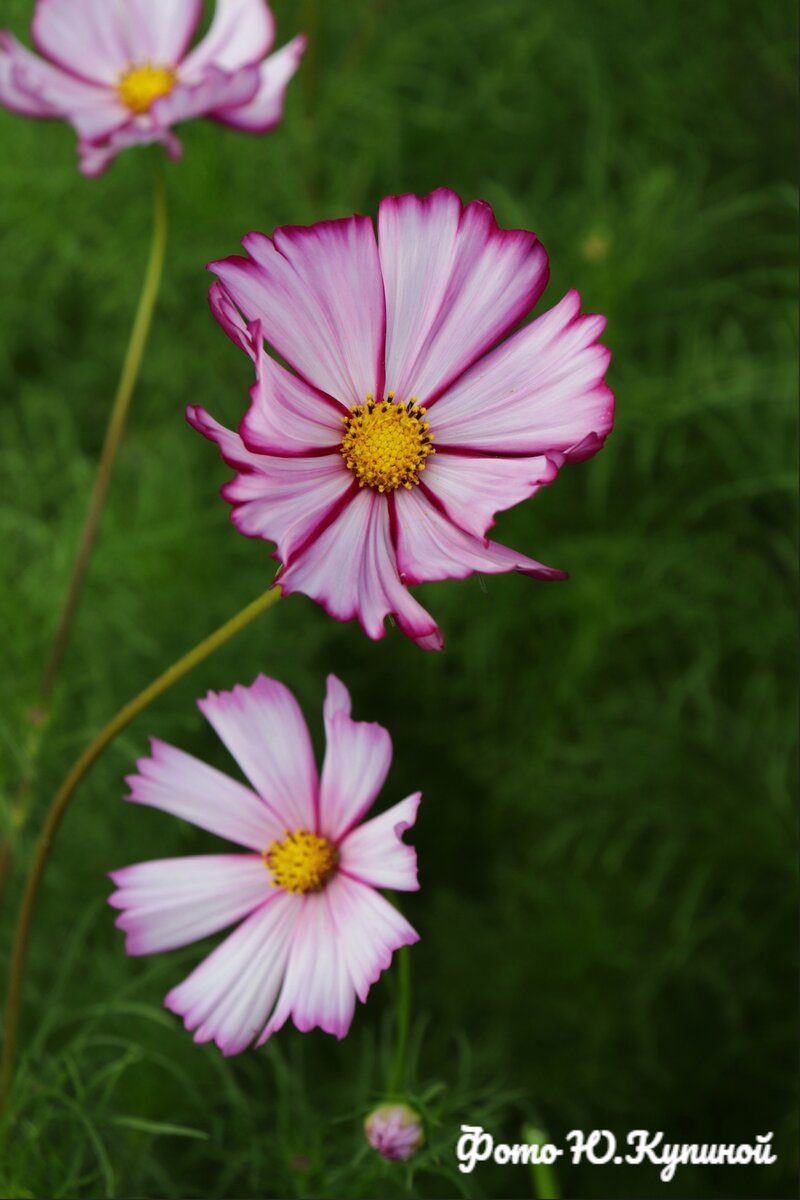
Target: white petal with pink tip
{"points": [[357, 760], [265, 110], [455, 283], [472, 488], [541, 392], [375, 852], [266, 733], [240, 34], [430, 546], [366, 583], [171, 902], [317, 991], [229, 996], [318, 294], [370, 930], [180, 784]]}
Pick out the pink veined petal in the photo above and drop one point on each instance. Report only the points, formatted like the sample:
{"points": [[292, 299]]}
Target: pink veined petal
{"points": [[375, 852], [351, 569], [541, 392], [266, 733], [317, 990], [14, 96], [184, 786], [171, 902], [287, 415], [369, 928], [241, 33], [34, 87], [455, 284], [431, 547], [357, 759], [228, 997], [472, 488], [231, 447], [319, 296], [201, 97], [265, 110], [287, 501], [282, 500], [232, 321], [101, 39], [96, 156], [165, 28]]}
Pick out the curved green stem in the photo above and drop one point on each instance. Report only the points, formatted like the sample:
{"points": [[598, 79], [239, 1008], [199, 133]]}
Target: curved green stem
{"points": [[398, 1072], [114, 432], [64, 795]]}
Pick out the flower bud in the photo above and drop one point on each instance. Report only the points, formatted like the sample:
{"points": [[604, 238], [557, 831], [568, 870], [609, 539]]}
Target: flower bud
{"points": [[395, 1131]]}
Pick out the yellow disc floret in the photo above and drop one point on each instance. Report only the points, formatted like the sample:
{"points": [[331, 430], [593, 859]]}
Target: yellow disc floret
{"points": [[140, 86], [385, 444], [302, 862]]}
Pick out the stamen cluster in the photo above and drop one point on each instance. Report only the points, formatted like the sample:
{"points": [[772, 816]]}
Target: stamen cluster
{"points": [[141, 86], [385, 444], [302, 862]]}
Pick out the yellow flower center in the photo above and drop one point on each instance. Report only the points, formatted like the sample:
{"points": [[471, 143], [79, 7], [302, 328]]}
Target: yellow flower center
{"points": [[385, 444], [140, 86], [302, 862]]}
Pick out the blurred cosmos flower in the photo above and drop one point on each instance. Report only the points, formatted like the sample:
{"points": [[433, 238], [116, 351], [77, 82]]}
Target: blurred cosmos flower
{"points": [[314, 932], [380, 457], [395, 1131], [122, 74]]}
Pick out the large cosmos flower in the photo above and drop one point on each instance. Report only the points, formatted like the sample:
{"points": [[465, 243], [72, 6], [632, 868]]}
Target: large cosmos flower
{"points": [[314, 932], [380, 457], [122, 74]]}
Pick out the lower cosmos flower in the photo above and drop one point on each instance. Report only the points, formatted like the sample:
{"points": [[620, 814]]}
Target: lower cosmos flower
{"points": [[121, 71], [314, 933], [380, 458]]}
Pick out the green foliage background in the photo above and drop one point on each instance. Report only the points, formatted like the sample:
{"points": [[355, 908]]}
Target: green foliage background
{"points": [[606, 840]]}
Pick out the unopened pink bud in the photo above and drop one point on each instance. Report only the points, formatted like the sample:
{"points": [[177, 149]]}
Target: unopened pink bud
{"points": [[395, 1131]]}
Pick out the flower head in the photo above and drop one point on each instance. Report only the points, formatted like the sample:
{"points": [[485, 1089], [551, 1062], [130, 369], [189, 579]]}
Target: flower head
{"points": [[122, 73], [314, 932], [395, 1131], [379, 458]]}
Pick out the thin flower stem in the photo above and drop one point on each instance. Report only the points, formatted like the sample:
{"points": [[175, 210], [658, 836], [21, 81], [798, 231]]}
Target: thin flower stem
{"points": [[398, 1072], [114, 432], [59, 806]]}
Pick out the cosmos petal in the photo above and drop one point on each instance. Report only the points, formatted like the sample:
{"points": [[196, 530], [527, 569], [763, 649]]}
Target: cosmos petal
{"points": [[357, 759], [201, 97], [429, 546], [228, 997], [265, 731], [472, 488], [541, 392], [100, 39], [241, 33], [364, 583], [265, 110], [33, 87], [317, 989], [455, 284], [318, 294], [375, 853], [171, 902], [370, 930], [180, 784]]}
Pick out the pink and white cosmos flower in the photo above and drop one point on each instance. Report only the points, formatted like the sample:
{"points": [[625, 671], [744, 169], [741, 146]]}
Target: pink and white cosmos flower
{"points": [[314, 933], [379, 458], [122, 74]]}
